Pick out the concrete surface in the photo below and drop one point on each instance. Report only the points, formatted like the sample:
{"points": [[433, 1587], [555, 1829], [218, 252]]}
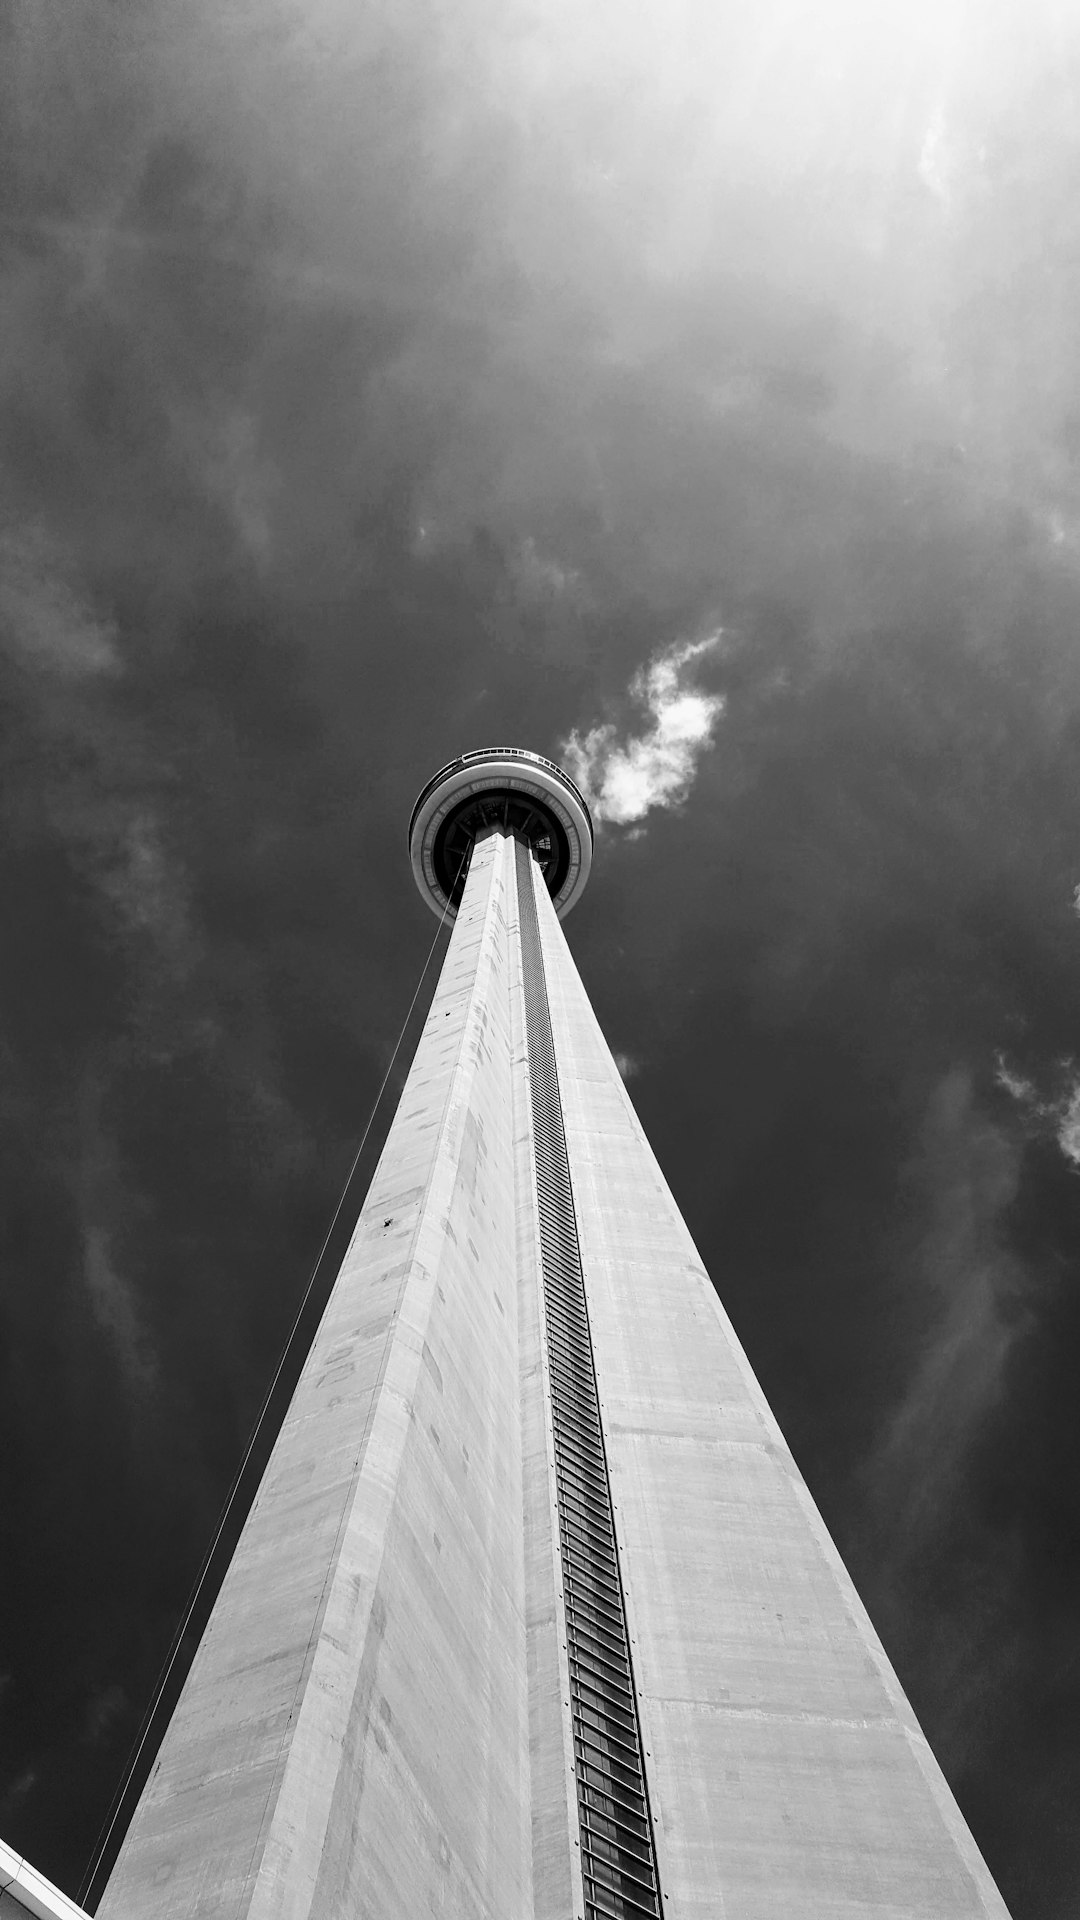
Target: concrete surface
{"points": [[353, 1738], [788, 1776]]}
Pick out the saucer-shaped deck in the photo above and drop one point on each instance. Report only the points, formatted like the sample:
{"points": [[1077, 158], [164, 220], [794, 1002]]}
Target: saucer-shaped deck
{"points": [[500, 787]]}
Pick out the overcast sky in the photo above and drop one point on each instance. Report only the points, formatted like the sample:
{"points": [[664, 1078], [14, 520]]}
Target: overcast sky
{"points": [[688, 390]]}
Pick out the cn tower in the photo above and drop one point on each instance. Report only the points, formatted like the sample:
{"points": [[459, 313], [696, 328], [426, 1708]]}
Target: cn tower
{"points": [[533, 1617]]}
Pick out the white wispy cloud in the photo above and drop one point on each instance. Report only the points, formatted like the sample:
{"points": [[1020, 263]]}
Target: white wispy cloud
{"points": [[1068, 1132], [1061, 1109], [624, 779], [1022, 1089]]}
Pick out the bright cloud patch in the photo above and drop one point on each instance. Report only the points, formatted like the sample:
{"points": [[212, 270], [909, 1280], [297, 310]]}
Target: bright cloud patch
{"points": [[1061, 1109], [1068, 1133], [625, 780], [1017, 1084]]}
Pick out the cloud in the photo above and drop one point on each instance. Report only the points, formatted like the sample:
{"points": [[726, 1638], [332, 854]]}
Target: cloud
{"points": [[42, 618], [103, 1709], [1068, 1132], [940, 165], [1061, 1109], [102, 1199], [965, 1175], [624, 780], [1017, 1085], [976, 1301], [147, 888], [113, 1307]]}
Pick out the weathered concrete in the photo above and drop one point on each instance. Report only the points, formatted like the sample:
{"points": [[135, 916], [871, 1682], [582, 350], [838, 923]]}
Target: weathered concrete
{"points": [[788, 1776], [353, 1738]]}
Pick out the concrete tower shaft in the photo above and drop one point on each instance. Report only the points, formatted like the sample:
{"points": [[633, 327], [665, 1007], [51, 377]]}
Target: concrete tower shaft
{"points": [[354, 1735], [533, 1617]]}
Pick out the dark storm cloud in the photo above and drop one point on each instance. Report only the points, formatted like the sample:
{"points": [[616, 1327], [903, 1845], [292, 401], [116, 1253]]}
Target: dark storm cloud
{"points": [[375, 382]]}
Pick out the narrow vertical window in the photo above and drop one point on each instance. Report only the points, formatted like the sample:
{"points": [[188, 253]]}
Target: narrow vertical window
{"points": [[618, 1856]]}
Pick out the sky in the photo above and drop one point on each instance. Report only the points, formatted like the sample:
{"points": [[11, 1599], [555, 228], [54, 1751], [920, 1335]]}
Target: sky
{"points": [[687, 390]]}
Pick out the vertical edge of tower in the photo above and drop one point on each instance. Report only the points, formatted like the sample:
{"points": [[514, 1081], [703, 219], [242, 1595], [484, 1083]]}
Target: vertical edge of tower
{"points": [[788, 1776], [353, 1737]]}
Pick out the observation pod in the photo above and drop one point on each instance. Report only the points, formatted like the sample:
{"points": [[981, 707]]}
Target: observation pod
{"points": [[510, 789]]}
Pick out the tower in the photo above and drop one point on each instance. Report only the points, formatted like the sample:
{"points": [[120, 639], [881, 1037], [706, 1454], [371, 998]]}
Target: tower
{"points": [[533, 1616]]}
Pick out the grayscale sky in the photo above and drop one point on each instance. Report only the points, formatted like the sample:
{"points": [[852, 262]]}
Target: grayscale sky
{"points": [[686, 388]]}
